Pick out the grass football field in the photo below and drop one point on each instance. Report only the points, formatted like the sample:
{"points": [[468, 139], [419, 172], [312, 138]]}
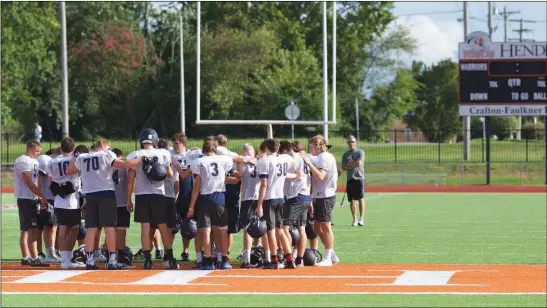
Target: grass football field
{"points": [[419, 250]]}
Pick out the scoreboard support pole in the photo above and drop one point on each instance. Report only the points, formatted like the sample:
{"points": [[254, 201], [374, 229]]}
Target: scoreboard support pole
{"points": [[488, 127]]}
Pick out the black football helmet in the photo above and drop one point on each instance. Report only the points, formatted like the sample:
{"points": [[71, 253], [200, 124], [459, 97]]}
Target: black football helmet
{"points": [[188, 228], [310, 230], [311, 257], [149, 135], [295, 235], [256, 228]]}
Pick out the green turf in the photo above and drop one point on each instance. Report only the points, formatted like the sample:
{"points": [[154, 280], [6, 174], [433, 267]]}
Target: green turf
{"points": [[501, 151], [372, 300], [399, 229]]}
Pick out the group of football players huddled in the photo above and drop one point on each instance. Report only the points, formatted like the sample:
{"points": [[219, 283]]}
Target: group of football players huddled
{"points": [[73, 193]]}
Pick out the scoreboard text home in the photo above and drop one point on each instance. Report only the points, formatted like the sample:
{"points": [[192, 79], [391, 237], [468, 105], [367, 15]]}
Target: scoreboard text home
{"points": [[502, 79]]}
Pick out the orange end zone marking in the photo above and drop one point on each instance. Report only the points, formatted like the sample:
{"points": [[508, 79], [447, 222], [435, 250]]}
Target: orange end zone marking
{"points": [[340, 279]]}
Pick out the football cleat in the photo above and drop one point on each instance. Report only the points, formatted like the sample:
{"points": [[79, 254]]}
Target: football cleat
{"points": [[245, 265], [225, 265], [170, 264], [70, 265], [28, 261], [289, 264], [99, 259], [42, 256], [271, 266], [38, 263], [159, 254], [326, 262], [334, 258], [52, 259], [184, 257], [354, 223], [91, 267], [360, 222], [207, 267], [139, 255], [147, 264]]}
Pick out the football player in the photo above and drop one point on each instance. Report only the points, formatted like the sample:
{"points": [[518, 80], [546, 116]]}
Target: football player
{"points": [[297, 192], [101, 209], [29, 197], [272, 171], [150, 207], [46, 219], [123, 217], [171, 190], [209, 183], [66, 189], [324, 180]]}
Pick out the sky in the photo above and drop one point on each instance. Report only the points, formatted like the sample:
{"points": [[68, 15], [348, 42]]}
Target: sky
{"points": [[438, 33]]}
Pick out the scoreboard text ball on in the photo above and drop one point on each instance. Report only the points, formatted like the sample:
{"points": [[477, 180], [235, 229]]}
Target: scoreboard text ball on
{"points": [[501, 78]]}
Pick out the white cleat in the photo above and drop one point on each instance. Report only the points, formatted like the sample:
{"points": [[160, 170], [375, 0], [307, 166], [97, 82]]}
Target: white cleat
{"points": [[52, 259], [99, 259], [354, 223], [324, 263], [334, 258], [361, 221], [71, 265]]}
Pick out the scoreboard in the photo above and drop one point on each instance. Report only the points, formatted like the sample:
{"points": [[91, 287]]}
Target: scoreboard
{"points": [[502, 79]]}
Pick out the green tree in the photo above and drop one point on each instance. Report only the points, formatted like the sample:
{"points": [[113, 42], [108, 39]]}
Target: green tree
{"points": [[437, 113]]}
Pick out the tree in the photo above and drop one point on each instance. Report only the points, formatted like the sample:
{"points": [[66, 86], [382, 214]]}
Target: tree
{"points": [[437, 113]]}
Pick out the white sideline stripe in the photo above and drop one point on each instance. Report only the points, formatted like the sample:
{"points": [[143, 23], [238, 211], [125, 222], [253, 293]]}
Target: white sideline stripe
{"points": [[446, 235], [442, 253], [394, 270], [49, 277], [264, 293], [425, 285], [172, 278], [297, 276]]}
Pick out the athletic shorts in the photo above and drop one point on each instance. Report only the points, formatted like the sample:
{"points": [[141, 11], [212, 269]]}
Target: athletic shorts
{"points": [[182, 206], [171, 212], [273, 213], [123, 217], [295, 211], [355, 189], [150, 208], [68, 217], [28, 213], [101, 209], [47, 217], [233, 219], [322, 209], [211, 215], [248, 209]]}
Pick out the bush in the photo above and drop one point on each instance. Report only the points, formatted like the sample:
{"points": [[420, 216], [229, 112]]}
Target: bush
{"points": [[533, 131], [503, 126]]}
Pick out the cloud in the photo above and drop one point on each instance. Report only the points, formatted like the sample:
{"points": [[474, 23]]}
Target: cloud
{"points": [[437, 39]]}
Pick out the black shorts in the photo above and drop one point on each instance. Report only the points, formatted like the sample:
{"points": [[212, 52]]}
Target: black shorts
{"points": [[150, 209], [248, 209], [295, 211], [355, 189], [123, 217], [273, 213], [233, 218], [101, 209], [322, 209], [211, 215], [171, 212], [28, 213], [68, 217], [47, 217], [182, 206]]}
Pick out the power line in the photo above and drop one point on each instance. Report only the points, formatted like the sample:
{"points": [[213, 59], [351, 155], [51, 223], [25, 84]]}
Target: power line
{"points": [[431, 13]]}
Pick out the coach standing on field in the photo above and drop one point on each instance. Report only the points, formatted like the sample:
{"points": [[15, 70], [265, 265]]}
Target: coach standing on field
{"points": [[353, 162]]}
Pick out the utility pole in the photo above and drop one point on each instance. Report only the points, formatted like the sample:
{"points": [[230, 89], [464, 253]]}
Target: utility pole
{"points": [[505, 14], [521, 31], [64, 70], [466, 120]]}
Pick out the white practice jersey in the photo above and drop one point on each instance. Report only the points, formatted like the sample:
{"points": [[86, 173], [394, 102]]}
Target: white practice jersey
{"points": [[43, 161], [143, 185], [301, 186], [56, 169], [275, 169], [250, 182], [212, 171], [170, 181], [327, 187], [224, 151], [96, 171], [119, 177], [22, 164]]}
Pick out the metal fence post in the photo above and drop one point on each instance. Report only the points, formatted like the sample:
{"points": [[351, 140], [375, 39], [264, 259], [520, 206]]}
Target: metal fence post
{"points": [[526, 143], [521, 167], [395, 139], [7, 148], [462, 173], [439, 145]]}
